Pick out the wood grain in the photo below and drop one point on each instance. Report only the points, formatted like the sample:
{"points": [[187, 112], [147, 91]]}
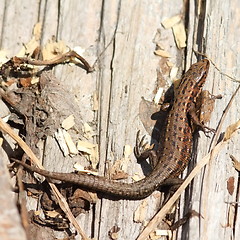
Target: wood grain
{"points": [[122, 35]]}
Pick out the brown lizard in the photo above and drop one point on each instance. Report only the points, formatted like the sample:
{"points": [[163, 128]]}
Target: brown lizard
{"points": [[177, 146]]}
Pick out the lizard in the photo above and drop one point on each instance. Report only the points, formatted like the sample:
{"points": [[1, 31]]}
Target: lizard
{"points": [[177, 145]]}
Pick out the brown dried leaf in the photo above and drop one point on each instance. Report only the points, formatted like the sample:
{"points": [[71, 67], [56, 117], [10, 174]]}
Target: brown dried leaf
{"points": [[25, 82], [90, 197], [119, 175]]}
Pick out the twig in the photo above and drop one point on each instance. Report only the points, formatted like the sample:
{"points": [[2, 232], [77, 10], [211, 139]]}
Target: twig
{"points": [[213, 63], [69, 56]]}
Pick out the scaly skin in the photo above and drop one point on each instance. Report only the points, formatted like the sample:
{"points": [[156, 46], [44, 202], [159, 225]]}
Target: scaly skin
{"points": [[176, 150]]}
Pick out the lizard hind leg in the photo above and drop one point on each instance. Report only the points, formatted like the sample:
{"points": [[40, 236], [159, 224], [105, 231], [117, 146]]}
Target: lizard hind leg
{"points": [[142, 151]]}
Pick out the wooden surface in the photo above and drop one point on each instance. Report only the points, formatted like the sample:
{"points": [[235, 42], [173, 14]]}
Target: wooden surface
{"points": [[123, 35]]}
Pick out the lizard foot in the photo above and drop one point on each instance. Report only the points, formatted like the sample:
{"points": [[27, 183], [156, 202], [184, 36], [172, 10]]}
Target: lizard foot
{"points": [[141, 149]]}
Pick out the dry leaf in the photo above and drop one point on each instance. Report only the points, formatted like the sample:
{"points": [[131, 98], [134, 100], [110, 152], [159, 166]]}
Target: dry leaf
{"points": [[37, 31], [231, 129], [53, 49], [68, 122], [180, 35], [29, 48], [162, 53], [26, 82], [146, 109], [89, 196], [140, 213], [170, 22]]}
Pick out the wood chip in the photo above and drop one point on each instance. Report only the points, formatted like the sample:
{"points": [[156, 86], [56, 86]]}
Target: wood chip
{"points": [[80, 168], [88, 131], [90, 149], [170, 22], [86, 147], [162, 53], [3, 56], [158, 95], [180, 35], [34, 80], [140, 213], [173, 73], [71, 146], [61, 141], [68, 122]]}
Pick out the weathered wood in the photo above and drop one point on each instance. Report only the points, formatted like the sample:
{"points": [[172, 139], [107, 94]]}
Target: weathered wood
{"points": [[122, 35]]}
